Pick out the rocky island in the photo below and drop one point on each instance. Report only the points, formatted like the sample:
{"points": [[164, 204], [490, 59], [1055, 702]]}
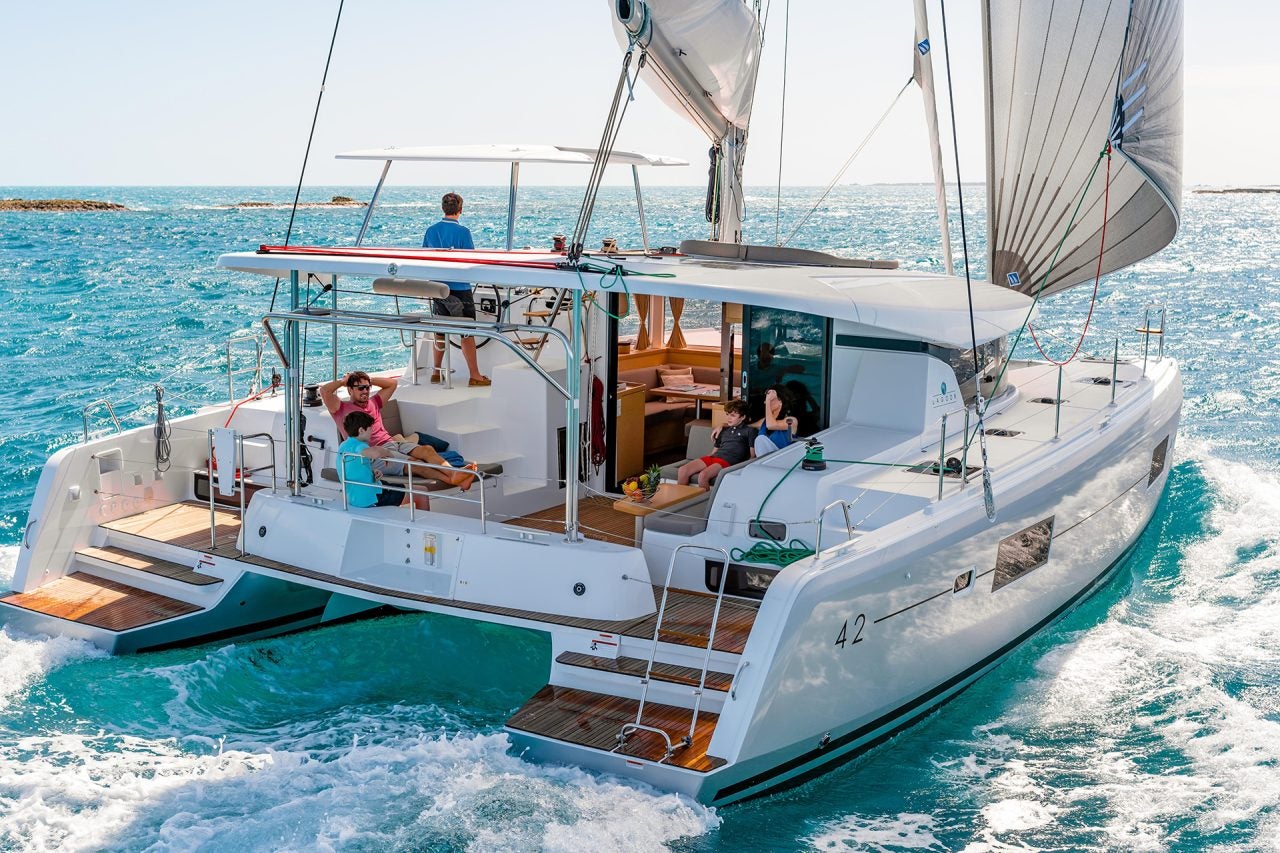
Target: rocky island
{"points": [[336, 201], [66, 205]]}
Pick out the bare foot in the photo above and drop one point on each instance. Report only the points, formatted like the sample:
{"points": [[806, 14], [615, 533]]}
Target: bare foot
{"points": [[465, 476]]}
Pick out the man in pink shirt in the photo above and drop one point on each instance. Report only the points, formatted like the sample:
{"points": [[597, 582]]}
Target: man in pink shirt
{"points": [[362, 399]]}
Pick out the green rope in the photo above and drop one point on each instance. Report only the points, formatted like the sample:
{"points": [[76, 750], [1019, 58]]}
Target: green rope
{"points": [[610, 276], [773, 554]]}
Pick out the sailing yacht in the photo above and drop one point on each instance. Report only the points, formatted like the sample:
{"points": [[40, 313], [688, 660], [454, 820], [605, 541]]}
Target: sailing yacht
{"points": [[948, 499]]}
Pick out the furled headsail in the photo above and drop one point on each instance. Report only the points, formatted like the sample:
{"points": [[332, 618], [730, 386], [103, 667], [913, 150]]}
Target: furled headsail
{"points": [[1063, 80], [703, 56]]}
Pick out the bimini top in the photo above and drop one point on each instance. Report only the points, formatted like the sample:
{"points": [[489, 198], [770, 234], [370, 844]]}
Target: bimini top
{"points": [[509, 154], [881, 303]]}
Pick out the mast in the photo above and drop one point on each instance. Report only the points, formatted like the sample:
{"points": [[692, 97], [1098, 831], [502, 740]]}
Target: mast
{"points": [[924, 78]]}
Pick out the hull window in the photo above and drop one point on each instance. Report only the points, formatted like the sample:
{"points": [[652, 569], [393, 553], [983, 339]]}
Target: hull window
{"points": [[1157, 460], [743, 581], [1022, 552]]}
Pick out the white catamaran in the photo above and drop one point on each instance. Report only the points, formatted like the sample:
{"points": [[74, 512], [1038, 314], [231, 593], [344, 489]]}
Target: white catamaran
{"points": [[948, 500]]}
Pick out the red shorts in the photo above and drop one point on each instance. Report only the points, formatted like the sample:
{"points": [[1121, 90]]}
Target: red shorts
{"points": [[714, 460]]}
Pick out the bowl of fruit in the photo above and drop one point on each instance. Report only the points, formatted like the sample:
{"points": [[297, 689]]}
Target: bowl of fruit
{"points": [[643, 487]]}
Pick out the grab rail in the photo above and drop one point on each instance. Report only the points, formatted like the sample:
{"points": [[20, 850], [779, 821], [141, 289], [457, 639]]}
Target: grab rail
{"points": [[848, 523]]}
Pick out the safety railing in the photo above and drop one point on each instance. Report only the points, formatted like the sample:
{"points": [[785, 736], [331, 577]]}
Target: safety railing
{"points": [[111, 412], [1147, 330], [408, 489], [239, 476], [238, 340], [638, 725]]}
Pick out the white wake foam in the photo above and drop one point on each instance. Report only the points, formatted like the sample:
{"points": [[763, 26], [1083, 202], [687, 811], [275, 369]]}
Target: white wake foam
{"points": [[879, 834], [465, 792], [1165, 712], [8, 563], [23, 659]]}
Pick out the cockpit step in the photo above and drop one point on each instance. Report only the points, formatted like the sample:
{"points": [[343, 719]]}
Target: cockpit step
{"points": [[127, 559]]}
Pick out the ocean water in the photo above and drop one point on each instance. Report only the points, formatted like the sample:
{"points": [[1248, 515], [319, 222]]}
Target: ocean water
{"points": [[1149, 719]]}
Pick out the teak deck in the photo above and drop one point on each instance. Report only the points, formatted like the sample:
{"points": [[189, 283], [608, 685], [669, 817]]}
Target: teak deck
{"points": [[90, 600], [687, 621], [597, 519], [184, 524], [595, 720]]}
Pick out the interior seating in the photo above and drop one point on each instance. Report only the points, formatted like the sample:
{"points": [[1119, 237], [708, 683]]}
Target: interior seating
{"points": [[664, 421]]}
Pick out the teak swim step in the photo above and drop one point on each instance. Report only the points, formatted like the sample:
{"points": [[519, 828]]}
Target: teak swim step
{"points": [[595, 720], [98, 602]]}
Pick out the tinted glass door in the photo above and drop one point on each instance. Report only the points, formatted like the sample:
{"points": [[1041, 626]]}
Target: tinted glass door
{"points": [[789, 349]]}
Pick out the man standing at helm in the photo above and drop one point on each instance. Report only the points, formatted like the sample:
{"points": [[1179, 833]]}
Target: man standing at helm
{"points": [[448, 233]]}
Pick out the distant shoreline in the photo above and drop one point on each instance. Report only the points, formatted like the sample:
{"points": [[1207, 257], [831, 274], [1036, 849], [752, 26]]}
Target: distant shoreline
{"points": [[1232, 190]]}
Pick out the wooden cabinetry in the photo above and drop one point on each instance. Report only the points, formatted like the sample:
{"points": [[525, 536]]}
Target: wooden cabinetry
{"points": [[629, 450]]}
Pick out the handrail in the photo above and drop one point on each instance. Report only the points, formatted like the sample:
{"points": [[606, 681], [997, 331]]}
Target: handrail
{"points": [[848, 523], [733, 683], [84, 415], [628, 728], [366, 320], [407, 489], [657, 630], [26, 532]]}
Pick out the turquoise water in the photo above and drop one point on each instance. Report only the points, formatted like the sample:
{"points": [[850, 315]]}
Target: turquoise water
{"points": [[1147, 720]]}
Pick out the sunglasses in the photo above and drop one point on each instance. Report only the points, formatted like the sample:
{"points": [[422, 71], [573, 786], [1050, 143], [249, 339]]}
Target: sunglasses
{"points": [[360, 387]]}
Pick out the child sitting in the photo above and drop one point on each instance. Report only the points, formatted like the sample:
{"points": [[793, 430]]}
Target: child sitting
{"points": [[778, 428], [357, 471], [733, 440]]}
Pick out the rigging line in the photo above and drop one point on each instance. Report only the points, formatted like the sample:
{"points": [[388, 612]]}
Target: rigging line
{"points": [[782, 124], [315, 116], [849, 162], [1035, 299], [613, 124], [988, 498], [1097, 276]]}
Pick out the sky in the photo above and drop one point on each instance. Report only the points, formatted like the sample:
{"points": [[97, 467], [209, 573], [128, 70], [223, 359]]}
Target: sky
{"points": [[144, 92]]}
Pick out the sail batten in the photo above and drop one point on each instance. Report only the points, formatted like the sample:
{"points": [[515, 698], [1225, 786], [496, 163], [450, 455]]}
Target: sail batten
{"points": [[1064, 81]]}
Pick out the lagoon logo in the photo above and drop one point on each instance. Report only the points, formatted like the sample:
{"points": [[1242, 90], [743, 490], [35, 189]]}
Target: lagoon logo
{"points": [[392, 269], [944, 398]]}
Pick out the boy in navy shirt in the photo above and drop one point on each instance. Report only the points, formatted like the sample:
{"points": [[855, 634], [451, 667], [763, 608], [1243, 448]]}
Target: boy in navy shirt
{"points": [[733, 441]]}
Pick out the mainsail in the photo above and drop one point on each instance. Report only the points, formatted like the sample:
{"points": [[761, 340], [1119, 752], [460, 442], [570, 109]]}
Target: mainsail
{"points": [[1063, 81], [704, 55]]}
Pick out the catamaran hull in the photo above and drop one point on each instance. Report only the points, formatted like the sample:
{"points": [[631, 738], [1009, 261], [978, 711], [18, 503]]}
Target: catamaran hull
{"points": [[849, 652]]}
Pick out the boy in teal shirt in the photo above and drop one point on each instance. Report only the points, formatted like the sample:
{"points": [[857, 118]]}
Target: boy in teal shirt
{"points": [[357, 470]]}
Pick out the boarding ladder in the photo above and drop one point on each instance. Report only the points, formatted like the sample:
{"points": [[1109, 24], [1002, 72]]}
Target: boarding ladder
{"points": [[638, 725]]}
